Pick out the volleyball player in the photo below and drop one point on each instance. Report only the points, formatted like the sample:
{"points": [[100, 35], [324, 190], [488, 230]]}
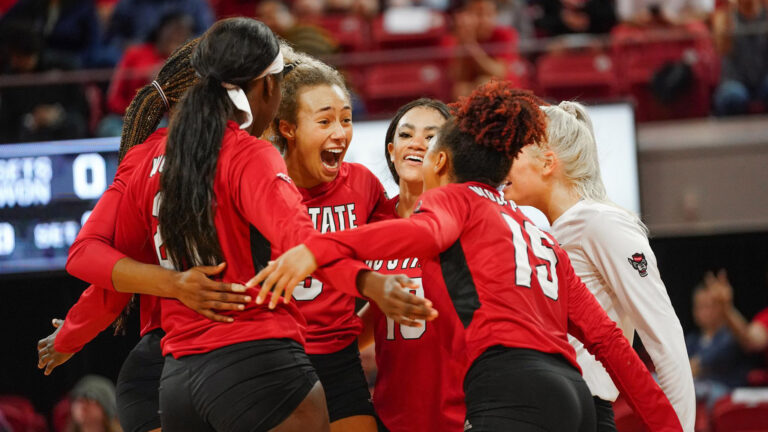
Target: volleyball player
{"points": [[314, 127], [97, 308], [511, 285], [610, 253], [419, 369]]}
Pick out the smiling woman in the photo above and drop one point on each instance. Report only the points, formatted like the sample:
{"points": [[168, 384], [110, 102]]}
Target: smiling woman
{"points": [[314, 129]]}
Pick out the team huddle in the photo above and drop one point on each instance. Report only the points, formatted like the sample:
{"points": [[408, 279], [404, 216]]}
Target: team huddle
{"points": [[247, 239]]}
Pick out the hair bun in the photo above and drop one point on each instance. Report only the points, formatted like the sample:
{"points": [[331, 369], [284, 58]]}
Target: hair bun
{"points": [[501, 117]]}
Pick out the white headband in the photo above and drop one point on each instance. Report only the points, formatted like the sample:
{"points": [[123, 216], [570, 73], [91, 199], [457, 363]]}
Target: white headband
{"points": [[237, 95]]}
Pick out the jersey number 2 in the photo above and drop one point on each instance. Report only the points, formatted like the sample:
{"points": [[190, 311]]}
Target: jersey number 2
{"points": [[541, 245]]}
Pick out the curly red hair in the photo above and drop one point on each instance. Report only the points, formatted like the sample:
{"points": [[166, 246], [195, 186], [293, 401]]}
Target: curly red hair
{"points": [[501, 117]]}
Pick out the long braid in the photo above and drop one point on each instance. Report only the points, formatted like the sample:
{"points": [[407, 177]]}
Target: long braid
{"points": [[147, 109]]}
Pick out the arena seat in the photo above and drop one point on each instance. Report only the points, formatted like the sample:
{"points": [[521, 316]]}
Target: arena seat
{"points": [[577, 75], [351, 32], [21, 415], [639, 53], [739, 416], [388, 86], [432, 33]]}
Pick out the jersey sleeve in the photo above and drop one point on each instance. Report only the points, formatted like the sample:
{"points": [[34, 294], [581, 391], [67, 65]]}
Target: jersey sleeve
{"points": [[611, 241], [94, 311], [92, 257], [434, 226], [269, 200], [589, 323]]}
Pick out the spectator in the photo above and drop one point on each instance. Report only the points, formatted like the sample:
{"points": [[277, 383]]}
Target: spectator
{"points": [[133, 21], [717, 363], [308, 11], [364, 8], [486, 49], [69, 28], [740, 37], [94, 406], [139, 64], [304, 37], [38, 112], [676, 12], [751, 336], [558, 17]]}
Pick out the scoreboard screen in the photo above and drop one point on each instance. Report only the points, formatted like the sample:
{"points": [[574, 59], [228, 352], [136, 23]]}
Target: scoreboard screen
{"points": [[47, 191]]}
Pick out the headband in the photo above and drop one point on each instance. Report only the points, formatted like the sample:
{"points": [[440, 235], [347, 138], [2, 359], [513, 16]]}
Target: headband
{"points": [[162, 94], [237, 95]]}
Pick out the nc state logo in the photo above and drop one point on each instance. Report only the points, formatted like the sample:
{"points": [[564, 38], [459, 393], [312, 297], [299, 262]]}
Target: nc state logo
{"points": [[639, 263]]}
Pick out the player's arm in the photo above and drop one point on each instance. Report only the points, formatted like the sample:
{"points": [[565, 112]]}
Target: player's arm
{"points": [[348, 275], [435, 226], [365, 338], [589, 323], [752, 337], [94, 311], [94, 258], [611, 241]]}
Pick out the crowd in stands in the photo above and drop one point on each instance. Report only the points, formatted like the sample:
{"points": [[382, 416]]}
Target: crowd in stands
{"points": [[674, 58], [726, 350], [90, 406]]}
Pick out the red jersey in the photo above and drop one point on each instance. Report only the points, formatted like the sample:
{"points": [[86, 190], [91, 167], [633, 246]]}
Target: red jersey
{"points": [[258, 215], [509, 283], [344, 203], [420, 369], [92, 257]]}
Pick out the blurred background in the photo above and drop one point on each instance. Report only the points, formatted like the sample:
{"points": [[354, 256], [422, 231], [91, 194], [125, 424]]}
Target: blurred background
{"points": [[691, 75]]}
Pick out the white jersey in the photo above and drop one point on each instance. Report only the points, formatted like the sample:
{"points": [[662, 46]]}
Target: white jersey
{"points": [[610, 252]]}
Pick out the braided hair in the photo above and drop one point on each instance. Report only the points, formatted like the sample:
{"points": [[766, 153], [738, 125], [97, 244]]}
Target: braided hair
{"points": [[488, 130], [148, 107]]}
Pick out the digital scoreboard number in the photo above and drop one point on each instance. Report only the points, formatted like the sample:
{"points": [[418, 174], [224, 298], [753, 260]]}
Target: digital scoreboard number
{"points": [[47, 191]]}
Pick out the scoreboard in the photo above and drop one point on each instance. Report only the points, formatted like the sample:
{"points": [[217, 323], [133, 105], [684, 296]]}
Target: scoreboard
{"points": [[47, 191]]}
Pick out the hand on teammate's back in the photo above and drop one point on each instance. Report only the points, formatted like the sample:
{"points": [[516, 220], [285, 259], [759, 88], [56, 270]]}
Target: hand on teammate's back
{"points": [[47, 356], [205, 296]]}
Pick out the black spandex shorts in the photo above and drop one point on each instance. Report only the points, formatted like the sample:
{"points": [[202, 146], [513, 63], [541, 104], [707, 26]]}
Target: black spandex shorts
{"points": [[138, 384], [249, 386], [346, 390], [515, 389], [606, 421]]}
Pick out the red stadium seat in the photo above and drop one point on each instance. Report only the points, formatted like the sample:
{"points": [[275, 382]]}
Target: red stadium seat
{"points": [[351, 32], [639, 53], [20, 414], [431, 36], [577, 75], [388, 86], [730, 416]]}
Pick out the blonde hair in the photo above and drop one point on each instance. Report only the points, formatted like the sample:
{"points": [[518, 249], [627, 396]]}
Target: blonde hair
{"points": [[571, 136]]}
